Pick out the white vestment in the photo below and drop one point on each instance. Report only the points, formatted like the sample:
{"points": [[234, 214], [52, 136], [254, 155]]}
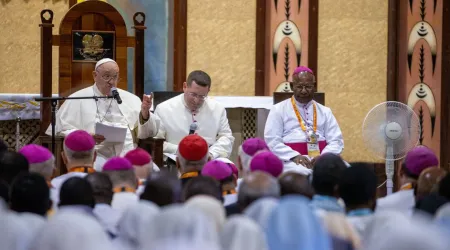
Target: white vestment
{"points": [[402, 201], [84, 114], [282, 126], [107, 216], [211, 120]]}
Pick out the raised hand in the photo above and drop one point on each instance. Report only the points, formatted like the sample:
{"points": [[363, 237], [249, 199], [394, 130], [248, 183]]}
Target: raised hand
{"points": [[147, 101]]}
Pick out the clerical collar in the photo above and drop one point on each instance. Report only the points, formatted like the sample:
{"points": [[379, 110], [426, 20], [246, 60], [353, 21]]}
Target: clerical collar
{"points": [[82, 169], [189, 175], [232, 191], [304, 105], [407, 186], [124, 189]]}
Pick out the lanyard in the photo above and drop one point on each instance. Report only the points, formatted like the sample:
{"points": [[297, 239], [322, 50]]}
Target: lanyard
{"points": [[360, 212], [299, 117]]}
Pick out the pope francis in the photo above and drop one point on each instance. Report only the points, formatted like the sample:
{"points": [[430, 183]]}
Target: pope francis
{"points": [[131, 117]]}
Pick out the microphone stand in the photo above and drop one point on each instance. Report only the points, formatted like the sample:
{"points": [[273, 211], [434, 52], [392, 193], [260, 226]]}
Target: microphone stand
{"points": [[54, 102]]}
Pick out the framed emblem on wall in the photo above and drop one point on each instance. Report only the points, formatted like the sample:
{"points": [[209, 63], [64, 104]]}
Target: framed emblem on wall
{"points": [[92, 46]]}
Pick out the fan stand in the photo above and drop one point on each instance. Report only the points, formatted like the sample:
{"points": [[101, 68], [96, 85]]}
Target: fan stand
{"points": [[393, 131], [389, 169]]}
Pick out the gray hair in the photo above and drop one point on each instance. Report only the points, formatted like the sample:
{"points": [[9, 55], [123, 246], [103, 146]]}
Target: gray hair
{"points": [[79, 157], [255, 186], [44, 168], [122, 177], [192, 165]]}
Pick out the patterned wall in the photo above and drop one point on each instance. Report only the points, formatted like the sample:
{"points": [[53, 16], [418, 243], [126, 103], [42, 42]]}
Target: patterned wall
{"points": [[420, 71], [221, 41], [352, 66], [288, 41]]}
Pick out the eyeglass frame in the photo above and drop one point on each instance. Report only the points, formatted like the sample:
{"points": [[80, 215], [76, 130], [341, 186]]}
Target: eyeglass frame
{"points": [[115, 78], [195, 95]]}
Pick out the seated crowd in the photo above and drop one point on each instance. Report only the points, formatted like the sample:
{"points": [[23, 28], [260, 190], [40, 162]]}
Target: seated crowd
{"points": [[213, 204]]}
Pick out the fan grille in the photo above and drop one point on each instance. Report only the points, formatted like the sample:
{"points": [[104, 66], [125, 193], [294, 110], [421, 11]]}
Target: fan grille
{"points": [[375, 132]]}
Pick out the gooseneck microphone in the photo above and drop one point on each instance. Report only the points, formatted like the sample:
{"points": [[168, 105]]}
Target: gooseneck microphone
{"points": [[192, 128], [116, 95]]}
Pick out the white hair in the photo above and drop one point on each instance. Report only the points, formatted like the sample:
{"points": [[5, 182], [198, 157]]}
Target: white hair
{"points": [[245, 160], [187, 164], [44, 168], [144, 171], [79, 157]]}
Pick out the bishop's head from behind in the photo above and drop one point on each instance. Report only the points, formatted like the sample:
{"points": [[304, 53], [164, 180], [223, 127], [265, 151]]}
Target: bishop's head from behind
{"points": [[106, 75], [196, 89], [303, 84]]}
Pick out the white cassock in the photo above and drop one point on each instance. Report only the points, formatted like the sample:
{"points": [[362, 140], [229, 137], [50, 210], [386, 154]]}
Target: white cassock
{"points": [[282, 126], [84, 114], [107, 216], [211, 120]]}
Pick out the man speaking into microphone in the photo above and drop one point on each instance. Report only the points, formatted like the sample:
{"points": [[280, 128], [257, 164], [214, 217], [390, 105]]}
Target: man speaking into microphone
{"points": [[194, 113], [124, 113]]}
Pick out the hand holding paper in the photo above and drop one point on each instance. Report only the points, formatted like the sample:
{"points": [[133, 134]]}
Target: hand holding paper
{"points": [[111, 133]]}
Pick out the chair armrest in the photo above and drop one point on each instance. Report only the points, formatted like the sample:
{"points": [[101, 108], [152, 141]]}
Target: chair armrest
{"points": [[154, 146]]}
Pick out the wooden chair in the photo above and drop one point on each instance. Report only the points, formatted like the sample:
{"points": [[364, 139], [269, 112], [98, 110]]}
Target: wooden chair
{"points": [[281, 96], [87, 16], [155, 145]]}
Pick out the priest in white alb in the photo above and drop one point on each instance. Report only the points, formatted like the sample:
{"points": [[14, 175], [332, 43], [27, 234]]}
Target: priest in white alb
{"points": [[125, 122], [299, 129], [193, 112]]}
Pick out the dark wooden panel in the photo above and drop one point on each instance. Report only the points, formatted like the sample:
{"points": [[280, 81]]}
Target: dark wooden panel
{"points": [[445, 78], [161, 96], [281, 96], [260, 47], [180, 44], [313, 34]]}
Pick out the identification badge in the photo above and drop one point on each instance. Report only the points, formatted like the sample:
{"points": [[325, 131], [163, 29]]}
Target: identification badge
{"points": [[313, 149]]}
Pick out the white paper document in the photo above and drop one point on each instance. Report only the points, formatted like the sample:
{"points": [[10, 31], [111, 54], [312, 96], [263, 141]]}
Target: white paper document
{"points": [[111, 133], [171, 156]]}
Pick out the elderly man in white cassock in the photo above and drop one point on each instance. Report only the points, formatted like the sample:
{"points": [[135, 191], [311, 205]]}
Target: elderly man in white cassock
{"points": [[131, 115], [193, 112], [299, 129]]}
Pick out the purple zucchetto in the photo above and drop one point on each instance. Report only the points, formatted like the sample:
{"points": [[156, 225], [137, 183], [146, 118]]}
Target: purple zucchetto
{"points": [[36, 153], [216, 169], [420, 158], [267, 162], [117, 164], [303, 69], [79, 140], [253, 145]]}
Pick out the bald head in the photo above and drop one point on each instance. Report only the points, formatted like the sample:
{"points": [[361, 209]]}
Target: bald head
{"points": [[428, 181], [257, 185], [295, 183]]}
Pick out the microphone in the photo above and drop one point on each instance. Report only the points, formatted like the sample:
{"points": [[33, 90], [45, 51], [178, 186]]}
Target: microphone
{"points": [[192, 128], [116, 95]]}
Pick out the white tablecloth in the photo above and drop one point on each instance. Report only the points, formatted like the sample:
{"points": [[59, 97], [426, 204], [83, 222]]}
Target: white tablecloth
{"points": [[24, 106]]}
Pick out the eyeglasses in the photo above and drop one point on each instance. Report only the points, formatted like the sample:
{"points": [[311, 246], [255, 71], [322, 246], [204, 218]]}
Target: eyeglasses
{"points": [[194, 95], [108, 78], [308, 87]]}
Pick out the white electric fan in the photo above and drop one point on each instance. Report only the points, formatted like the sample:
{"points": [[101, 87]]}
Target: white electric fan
{"points": [[390, 130]]}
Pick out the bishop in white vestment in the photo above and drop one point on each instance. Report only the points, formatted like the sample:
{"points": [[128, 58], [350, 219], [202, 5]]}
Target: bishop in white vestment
{"points": [[299, 129], [193, 112], [132, 114]]}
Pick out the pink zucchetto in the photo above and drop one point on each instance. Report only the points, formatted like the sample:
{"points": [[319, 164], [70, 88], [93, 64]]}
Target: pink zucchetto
{"points": [[218, 170], [267, 162], [117, 164], [138, 157], [253, 145], [303, 69], [36, 153], [79, 140]]}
